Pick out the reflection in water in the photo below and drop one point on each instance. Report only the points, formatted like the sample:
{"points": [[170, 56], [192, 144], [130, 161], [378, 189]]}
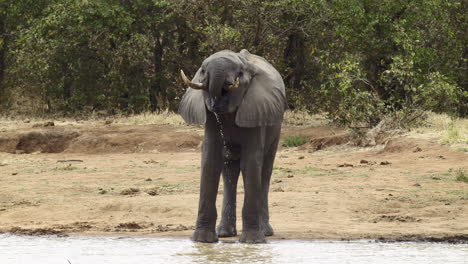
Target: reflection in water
{"points": [[77, 250], [230, 253]]}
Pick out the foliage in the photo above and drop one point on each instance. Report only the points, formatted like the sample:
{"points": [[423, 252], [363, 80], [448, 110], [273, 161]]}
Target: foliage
{"points": [[357, 60], [461, 175], [294, 141]]}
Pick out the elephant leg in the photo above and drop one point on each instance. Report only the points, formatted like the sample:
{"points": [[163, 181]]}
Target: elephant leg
{"points": [[251, 167], [212, 163], [266, 176], [227, 227]]}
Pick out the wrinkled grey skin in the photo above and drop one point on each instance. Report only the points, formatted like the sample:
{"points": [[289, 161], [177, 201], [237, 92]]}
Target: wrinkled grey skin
{"points": [[251, 118]]}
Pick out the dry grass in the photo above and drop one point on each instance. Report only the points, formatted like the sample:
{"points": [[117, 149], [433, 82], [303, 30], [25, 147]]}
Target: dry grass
{"points": [[447, 130], [302, 118], [292, 118], [17, 122], [148, 118]]}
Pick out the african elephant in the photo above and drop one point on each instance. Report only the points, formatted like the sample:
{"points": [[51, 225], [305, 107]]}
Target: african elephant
{"points": [[240, 98]]}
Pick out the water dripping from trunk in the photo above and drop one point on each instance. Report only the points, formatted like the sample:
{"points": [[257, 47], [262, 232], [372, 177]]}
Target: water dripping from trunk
{"points": [[221, 131]]}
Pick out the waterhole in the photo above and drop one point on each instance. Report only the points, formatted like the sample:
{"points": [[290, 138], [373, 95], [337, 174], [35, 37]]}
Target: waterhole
{"points": [[115, 250]]}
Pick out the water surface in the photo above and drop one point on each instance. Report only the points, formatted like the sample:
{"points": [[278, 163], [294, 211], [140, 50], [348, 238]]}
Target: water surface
{"points": [[80, 249]]}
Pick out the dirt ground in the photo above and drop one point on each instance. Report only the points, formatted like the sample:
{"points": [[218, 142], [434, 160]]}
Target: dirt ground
{"points": [[143, 180]]}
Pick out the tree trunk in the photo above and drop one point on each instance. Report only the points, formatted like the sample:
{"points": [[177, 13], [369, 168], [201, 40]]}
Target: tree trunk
{"points": [[2, 60], [155, 88], [294, 55]]}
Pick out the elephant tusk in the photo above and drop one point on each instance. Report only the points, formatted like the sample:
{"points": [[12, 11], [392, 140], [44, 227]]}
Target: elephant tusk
{"points": [[235, 85], [190, 84]]}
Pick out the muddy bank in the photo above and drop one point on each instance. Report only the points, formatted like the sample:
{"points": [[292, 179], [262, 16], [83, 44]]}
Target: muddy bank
{"points": [[452, 239], [96, 139], [93, 140], [170, 230]]}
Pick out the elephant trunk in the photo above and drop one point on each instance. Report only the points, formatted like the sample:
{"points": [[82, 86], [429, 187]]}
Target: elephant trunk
{"points": [[216, 82], [218, 99]]}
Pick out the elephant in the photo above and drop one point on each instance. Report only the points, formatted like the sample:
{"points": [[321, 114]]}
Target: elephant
{"points": [[240, 99]]}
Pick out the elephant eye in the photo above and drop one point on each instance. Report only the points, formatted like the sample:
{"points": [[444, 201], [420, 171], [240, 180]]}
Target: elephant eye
{"points": [[203, 71], [240, 74]]}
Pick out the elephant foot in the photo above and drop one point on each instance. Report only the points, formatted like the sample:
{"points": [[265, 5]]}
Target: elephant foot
{"points": [[205, 236], [267, 229], [253, 237], [226, 230]]}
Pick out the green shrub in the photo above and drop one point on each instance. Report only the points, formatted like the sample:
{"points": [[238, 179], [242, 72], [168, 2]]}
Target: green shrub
{"points": [[295, 141], [462, 149], [461, 175], [357, 61]]}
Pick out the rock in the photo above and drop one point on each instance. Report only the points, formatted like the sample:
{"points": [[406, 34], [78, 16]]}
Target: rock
{"points": [[153, 191], [49, 123], [45, 124], [161, 228], [385, 163], [278, 189], [181, 227], [150, 161], [301, 157], [417, 149], [130, 191], [129, 225], [346, 165], [290, 176], [70, 160], [364, 162], [36, 231]]}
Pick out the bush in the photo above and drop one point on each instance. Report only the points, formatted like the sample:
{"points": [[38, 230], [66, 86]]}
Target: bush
{"points": [[359, 61], [295, 141], [461, 175]]}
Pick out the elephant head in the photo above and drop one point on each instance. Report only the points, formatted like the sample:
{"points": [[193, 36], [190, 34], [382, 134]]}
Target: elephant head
{"points": [[241, 83]]}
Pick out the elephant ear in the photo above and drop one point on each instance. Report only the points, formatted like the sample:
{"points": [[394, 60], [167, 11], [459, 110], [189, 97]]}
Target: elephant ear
{"points": [[264, 102], [192, 106]]}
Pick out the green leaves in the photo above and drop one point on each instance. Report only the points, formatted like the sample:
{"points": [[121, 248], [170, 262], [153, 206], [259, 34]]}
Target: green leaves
{"points": [[357, 60]]}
